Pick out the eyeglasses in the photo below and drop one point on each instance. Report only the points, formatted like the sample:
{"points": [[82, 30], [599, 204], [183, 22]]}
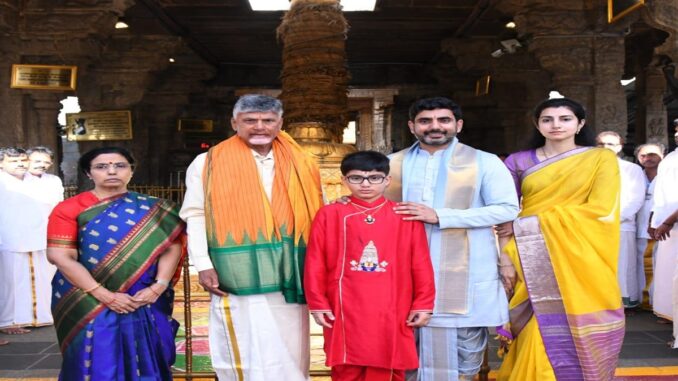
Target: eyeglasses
{"points": [[373, 179], [106, 167]]}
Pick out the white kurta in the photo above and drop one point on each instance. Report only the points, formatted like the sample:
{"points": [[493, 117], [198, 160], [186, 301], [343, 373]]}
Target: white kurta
{"points": [[665, 202], [632, 197], [256, 337], [25, 273]]}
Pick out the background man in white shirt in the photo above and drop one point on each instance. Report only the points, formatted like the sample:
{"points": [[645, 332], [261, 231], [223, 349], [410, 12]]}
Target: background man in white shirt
{"points": [[633, 186]]}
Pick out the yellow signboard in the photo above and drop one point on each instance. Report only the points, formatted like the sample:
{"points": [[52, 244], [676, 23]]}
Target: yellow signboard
{"points": [[44, 77], [99, 125]]}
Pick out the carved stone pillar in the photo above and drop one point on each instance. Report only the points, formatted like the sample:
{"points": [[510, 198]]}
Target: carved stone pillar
{"points": [[608, 94], [376, 135], [314, 83], [568, 61], [11, 123], [663, 15], [652, 128], [43, 129], [584, 66]]}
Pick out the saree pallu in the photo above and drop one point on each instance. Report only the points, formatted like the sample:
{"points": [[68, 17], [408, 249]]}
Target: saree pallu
{"points": [[566, 313], [119, 241]]}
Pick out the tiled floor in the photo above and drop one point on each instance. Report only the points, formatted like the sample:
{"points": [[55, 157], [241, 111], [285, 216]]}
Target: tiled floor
{"points": [[36, 355]]}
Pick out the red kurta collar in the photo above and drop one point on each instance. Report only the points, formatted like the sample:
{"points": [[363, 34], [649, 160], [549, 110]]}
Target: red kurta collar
{"points": [[366, 204]]}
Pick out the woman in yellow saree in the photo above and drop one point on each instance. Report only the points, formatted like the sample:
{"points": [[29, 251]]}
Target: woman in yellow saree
{"points": [[566, 317]]}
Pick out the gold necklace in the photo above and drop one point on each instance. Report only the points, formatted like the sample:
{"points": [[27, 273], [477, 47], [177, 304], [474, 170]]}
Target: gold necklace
{"points": [[368, 212]]}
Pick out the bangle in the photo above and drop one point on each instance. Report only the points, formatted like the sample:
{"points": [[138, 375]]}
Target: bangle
{"points": [[153, 291], [92, 288], [163, 282]]}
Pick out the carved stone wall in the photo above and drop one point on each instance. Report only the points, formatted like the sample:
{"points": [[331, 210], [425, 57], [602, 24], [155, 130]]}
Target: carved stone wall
{"points": [[47, 32]]}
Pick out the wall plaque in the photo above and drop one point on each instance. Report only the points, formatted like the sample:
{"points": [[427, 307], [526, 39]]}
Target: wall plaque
{"points": [[99, 125], [43, 77], [195, 125], [617, 9]]}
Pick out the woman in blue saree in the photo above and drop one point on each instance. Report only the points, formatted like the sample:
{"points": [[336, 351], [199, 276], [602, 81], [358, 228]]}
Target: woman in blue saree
{"points": [[117, 254]]}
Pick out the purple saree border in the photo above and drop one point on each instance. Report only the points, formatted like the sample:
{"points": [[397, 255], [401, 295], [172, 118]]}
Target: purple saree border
{"points": [[546, 300], [552, 160]]}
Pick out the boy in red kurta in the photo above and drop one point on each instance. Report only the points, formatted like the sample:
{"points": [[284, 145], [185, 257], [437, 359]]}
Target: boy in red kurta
{"points": [[368, 277]]}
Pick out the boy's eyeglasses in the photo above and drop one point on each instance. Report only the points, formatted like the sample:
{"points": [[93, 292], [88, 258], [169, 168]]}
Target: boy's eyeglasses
{"points": [[105, 167], [373, 179]]}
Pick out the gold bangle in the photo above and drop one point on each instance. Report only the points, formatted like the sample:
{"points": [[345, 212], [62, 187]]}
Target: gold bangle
{"points": [[92, 288], [153, 291]]}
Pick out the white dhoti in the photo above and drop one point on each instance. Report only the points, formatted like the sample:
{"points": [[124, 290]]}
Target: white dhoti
{"points": [[25, 289], [259, 338], [663, 296], [627, 273], [647, 257]]}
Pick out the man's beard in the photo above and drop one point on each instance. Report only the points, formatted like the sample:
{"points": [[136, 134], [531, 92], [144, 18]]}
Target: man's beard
{"points": [[447, 137]]}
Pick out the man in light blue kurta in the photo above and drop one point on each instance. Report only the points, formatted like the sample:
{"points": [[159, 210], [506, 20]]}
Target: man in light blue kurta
{"points": [[461, 193]]}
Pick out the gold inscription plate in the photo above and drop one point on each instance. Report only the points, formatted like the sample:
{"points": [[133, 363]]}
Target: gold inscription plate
{"points": [[44, 77], [195, 125], [99, 125]]}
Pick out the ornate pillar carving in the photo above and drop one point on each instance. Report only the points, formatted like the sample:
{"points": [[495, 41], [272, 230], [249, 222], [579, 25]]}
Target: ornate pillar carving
{"points": [[651, 88], [609, 98], [376, 136], [584, 66], [663, 15], [314, 82]]}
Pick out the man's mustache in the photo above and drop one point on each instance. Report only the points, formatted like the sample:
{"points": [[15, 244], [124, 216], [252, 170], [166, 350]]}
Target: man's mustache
{"points": [[435, 132]]}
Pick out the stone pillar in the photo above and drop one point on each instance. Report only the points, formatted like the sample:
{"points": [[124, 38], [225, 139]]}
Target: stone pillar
{"points": [[11, 123], [584, 66], [314, 83], [663, 15], [608, 94], [43, 130], [652, 128], [568, 59]]}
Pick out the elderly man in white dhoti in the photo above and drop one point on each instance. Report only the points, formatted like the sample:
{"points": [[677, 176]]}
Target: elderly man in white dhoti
{"points": [[649, 156], [25, 273], [664, 229], [249, 205]]}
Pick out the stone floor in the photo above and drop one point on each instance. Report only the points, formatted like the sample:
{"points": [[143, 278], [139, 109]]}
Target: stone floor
{"points": [[644, 356]]}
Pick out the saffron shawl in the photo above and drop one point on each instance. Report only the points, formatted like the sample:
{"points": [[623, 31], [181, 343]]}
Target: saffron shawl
{"points": [[256, 245], [566, 313]]}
